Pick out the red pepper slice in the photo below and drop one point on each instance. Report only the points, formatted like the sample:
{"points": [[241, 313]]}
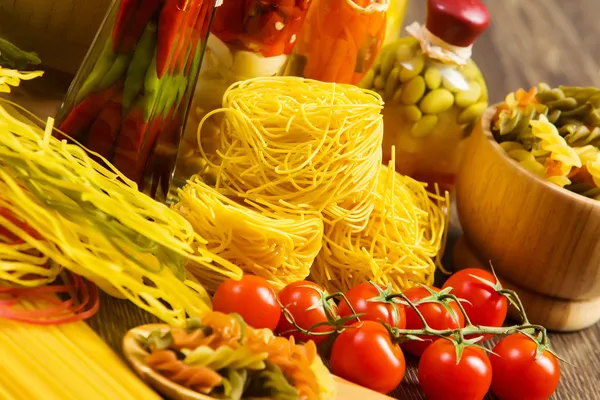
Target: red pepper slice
{"points": [[106, 127], [136, 24], [170, 21], [83, 115], [126, 10]]}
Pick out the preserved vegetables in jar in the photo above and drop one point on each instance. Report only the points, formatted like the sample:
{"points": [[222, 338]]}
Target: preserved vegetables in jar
{"points": [[130, 96], [248, 39], [340, 40], [434, 93]]}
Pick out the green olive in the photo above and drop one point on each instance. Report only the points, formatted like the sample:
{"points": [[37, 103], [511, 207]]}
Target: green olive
{"points": [[424, 126], [404, 53], [412, 68], [465, 98], [379, 82], [412, 113], [391, 83], [455, 82], [387, 63], [413, 90], [437, 101], [471, 113], [367, 80], [470, 70], [397, 96], [433, 78]]}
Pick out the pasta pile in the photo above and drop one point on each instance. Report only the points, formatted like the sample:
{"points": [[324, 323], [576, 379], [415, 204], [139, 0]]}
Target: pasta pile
{"points": [[293, 142], [280, 248], [62, 362], [95, 223], [399, 246], [298, 178], [223, 357], [555, 134]]}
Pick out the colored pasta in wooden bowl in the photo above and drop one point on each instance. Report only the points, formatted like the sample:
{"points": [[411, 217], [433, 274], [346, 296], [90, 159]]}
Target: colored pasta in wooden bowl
{"points": [[526, 197], [219, 356]]}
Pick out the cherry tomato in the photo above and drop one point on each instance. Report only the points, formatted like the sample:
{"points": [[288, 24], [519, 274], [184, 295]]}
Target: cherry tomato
{"points": [[365, 355], [484, 305], [517, 376], [442, 378], [435, 314], [303, 301], [251, 297], [358, 297]]}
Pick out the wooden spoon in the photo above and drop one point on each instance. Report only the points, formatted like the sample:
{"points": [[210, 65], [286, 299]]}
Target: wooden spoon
{"points": [[136, 355]]}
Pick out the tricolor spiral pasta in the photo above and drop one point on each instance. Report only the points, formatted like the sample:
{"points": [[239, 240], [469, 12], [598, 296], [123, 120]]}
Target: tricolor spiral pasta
{"points": [[256, 364]]}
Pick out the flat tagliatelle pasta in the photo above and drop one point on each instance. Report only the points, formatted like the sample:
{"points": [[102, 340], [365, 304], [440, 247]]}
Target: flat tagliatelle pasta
{"points": [[94, 222], [278, 247], [255, 364], [295, 142], [400, 244]]}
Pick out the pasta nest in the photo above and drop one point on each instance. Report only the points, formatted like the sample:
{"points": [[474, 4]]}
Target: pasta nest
{"points": [[298, 142], [276, 246]]}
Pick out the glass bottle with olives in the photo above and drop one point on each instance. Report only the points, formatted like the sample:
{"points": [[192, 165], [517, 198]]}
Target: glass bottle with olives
{"points": [[434, 93]]}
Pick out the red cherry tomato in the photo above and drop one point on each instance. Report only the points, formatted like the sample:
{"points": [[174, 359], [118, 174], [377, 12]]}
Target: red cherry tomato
{"points": [[366, 356], [299, 299], [442, 378], [435, 314], [517, 375], [251, 297], [484, 305], [359, 297]]}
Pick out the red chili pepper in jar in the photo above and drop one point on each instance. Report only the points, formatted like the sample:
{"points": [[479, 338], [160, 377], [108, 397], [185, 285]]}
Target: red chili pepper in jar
{"points": [[170, 20]]}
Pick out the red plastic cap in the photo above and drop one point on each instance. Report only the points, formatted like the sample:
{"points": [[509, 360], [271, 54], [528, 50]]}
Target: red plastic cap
{"points": [[457, 22]]}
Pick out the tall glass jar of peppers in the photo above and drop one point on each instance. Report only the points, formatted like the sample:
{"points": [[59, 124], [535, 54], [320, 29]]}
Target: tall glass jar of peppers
{"points": [[248, 39], [434, 93], [129, 98], [339, 40]]}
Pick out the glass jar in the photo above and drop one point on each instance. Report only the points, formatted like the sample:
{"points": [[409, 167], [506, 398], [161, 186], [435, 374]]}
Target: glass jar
{"points": [[248, 39], [339, 40], [129, 98], [395, 18], [434, 94]]}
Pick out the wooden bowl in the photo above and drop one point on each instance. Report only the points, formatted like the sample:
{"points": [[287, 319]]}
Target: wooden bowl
{"points": [[538, 236], [136, 355]]}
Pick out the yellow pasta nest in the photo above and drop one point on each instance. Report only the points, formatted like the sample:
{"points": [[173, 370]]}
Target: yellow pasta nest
{"points": [[278, 247], [296, 142], [404, 234]]}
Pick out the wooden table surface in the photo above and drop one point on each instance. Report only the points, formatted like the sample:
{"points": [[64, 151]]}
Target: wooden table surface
{"points": [[528, 41]]}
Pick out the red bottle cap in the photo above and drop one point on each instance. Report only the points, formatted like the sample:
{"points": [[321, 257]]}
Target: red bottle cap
{"points": [[457, 22]]}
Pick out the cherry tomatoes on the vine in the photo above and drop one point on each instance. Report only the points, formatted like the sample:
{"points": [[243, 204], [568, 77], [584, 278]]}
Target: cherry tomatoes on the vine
{"points": [[435, 314], [484, 306], [359, 298], [252, 298], [304, 301], [441, 378], [517, 375], [365, 355]]}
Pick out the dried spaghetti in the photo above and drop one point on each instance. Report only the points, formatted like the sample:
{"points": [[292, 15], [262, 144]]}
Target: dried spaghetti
{"points": [[292, 142], [97, 224], [279, 247], [400, 244]]}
